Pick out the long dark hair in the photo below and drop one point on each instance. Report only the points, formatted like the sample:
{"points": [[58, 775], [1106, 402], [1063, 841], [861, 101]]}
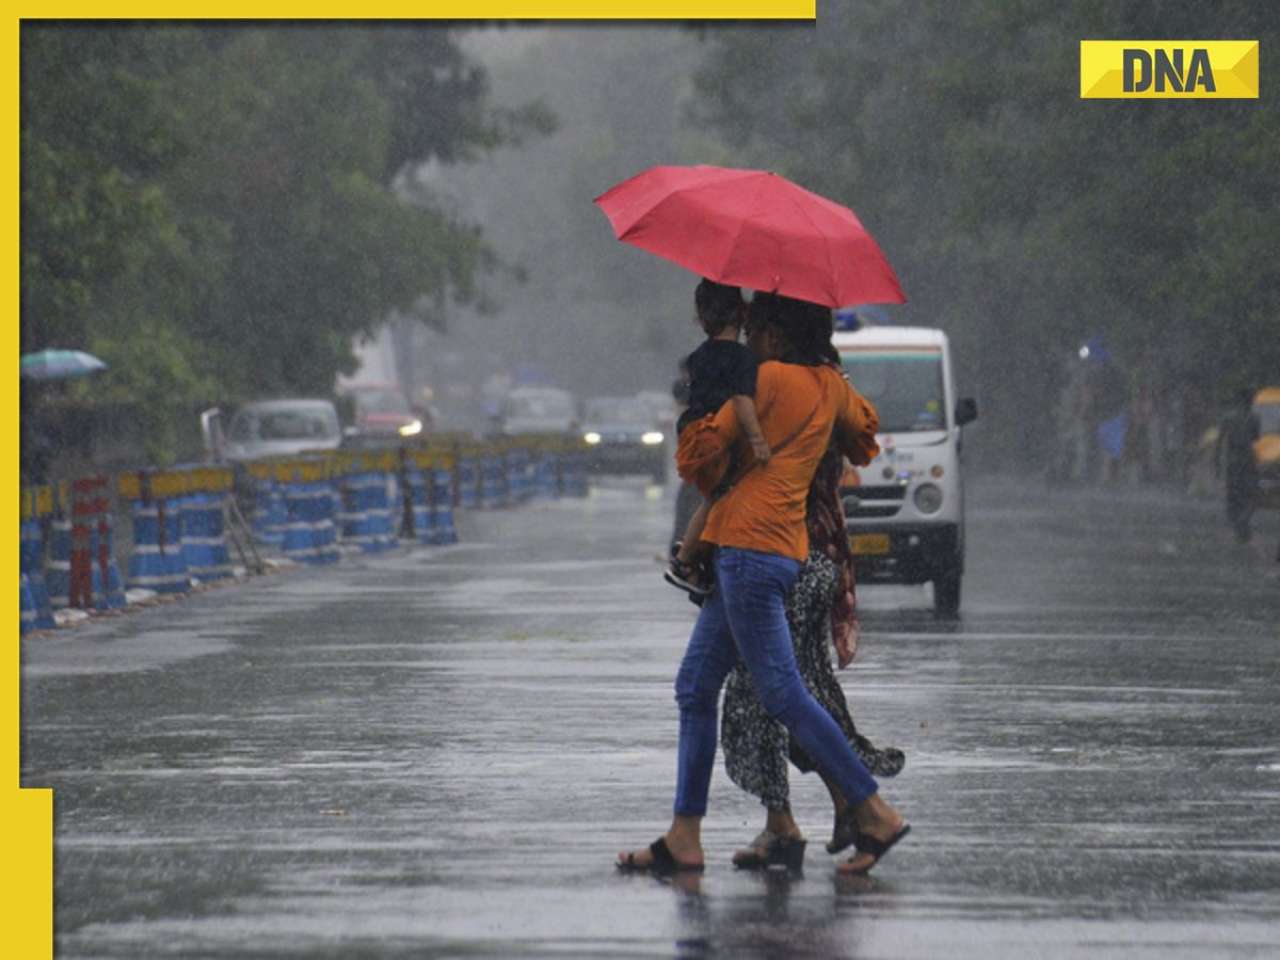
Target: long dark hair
{"points": [[806, 328]]}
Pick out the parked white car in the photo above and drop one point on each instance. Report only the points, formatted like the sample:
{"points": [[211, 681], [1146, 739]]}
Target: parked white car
{"points": [[272, 428]]}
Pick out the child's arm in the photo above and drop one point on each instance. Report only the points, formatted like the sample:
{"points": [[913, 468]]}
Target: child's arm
{"points": [[745, 410]]}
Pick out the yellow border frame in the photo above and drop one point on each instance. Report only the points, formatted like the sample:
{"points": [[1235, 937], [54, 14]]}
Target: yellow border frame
{"points": [[27, 815]]}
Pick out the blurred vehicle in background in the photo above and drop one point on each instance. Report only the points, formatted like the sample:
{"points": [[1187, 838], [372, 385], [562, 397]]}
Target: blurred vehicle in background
{"points": [[906, 517], [1266, 449], [378, 413], [660, 403], [537, 410], [624, 436], [272, 428]]}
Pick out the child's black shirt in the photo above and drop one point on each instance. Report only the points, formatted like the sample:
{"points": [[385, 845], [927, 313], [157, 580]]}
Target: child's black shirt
{"points": [[718, 370]]}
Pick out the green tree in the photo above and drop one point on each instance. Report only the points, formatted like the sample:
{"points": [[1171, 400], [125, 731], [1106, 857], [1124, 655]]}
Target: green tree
{"points": [[216, 210], [1020, 217]]}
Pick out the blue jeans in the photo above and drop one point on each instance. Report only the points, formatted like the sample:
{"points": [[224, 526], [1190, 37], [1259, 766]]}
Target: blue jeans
{"points": [[746, 617]]}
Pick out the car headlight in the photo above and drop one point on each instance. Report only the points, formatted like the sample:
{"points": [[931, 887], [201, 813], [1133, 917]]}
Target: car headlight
{"points": [[651, 438], [591, 437], [411, 429], [928, 498]]}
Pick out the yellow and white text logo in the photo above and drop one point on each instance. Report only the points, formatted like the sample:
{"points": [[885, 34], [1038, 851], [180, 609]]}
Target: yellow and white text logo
{"points": [[1169, 69]]}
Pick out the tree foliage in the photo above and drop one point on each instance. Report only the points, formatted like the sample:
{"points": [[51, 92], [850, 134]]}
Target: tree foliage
{"points": [[1021, 218], [215, 211]]}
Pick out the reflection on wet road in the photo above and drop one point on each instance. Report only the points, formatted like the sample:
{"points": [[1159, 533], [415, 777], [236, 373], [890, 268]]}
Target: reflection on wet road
{"points": [[438, 752]]}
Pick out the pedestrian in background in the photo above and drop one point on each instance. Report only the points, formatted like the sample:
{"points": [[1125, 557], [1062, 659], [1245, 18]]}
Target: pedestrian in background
{"points": [[1235, 458]]}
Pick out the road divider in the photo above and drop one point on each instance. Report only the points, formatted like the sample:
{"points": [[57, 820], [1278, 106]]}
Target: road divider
{"points": [[183, 523]]}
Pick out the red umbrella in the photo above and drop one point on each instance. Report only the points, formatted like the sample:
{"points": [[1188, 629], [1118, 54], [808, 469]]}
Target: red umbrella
{"points": [[751, 228]]}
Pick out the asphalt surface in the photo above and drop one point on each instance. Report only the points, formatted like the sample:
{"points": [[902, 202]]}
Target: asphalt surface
{"points": [[437, 752]]}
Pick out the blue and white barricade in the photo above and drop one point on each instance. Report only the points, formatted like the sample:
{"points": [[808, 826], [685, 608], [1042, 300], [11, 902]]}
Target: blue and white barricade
{"points": [[430, 478], [310, 535], [469, 481], [107, 587], [270, 513], [419, 494], [58, 570], [204, 539], [573, 473], [338, 508], [31, 561], [442, 528], [366, 518], [546, 483], [396, 494], [493, 481], [519, 482], [26, 606], [157, 562]]}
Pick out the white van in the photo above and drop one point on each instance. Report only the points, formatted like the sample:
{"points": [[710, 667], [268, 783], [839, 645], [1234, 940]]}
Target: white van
{"points": [[906, 516]]}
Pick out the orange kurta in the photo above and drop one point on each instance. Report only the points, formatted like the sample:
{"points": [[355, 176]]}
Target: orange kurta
{"points": [[765, 509]]}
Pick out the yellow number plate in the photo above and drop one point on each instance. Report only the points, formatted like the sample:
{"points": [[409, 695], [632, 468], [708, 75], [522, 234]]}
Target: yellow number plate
{"points": [[866, 544]]}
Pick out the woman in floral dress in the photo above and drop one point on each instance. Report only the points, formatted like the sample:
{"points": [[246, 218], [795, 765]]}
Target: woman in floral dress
{"points": [[821, 614]]}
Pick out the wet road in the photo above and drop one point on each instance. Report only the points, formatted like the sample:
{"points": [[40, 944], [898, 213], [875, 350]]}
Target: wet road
{"points": [[436, 753]]}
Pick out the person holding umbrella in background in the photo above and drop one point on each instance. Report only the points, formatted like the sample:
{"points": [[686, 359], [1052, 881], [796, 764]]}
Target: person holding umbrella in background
{"points": [[39, 442], [1237, 435]]}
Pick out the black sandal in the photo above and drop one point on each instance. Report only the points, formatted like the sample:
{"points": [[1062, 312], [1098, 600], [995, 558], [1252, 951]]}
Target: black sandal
{"points": [[771, 850], [681, 575], [865, 843], [662, 864], [844, 833]]}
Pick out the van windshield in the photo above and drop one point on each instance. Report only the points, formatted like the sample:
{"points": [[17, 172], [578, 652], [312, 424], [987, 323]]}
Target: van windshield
{"points": [[905, 386]]}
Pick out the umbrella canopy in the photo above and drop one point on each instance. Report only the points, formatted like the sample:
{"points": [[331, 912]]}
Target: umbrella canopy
{"points": [[751, 228], [59, 364]]}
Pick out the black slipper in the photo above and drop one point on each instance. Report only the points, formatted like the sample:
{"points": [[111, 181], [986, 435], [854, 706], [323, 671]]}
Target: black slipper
{"points": [[865, 843], [844, 833], [663, 862], [774, 851], [680, 575]]}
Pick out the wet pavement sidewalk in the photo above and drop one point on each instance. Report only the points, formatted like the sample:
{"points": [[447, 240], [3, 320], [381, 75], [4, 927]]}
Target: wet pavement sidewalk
{"points": [[438, 752]]}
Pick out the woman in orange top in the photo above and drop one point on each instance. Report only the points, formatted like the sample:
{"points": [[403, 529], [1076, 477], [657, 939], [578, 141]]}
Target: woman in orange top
{"points": [[803, 403]]}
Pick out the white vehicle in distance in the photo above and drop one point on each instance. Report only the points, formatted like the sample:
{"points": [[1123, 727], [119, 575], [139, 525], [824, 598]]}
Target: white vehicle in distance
{"points": [[538, 410], [624, 436], [272, 428], [906, 516]]}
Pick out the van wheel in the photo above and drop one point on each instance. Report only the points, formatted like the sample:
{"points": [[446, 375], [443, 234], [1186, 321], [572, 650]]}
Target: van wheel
{"points": [[946, 594]]}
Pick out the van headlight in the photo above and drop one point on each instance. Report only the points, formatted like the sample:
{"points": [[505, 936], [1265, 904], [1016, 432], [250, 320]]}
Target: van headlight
{"points": [[928, 498], [651, 438], [591, 437]]}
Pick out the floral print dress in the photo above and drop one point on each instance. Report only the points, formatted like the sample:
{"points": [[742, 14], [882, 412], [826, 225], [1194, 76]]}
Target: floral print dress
{"points": [[757, 747]]}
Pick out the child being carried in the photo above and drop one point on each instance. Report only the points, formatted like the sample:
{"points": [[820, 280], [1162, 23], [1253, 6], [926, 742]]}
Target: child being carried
{"points": [[721, 370]]}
